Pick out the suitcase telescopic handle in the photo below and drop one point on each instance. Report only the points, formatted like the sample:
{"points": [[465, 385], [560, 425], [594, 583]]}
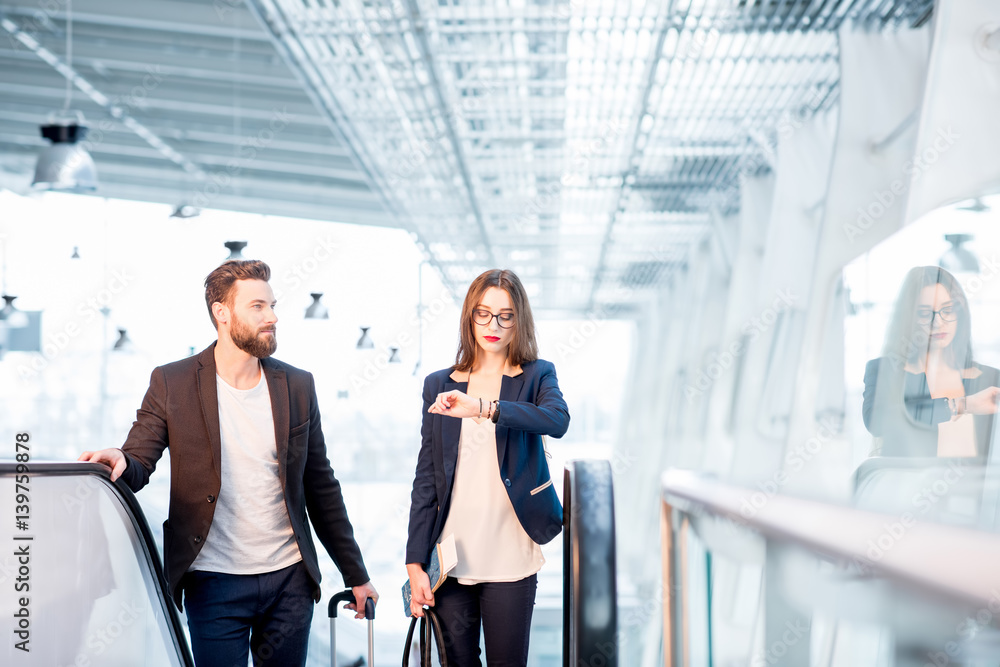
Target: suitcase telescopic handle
{"points": [[348, 596], [370, 609], [342, 596]]}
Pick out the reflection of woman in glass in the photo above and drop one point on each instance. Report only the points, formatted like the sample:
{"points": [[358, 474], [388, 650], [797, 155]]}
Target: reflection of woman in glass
{"points": [[482, 476], [926, 382]]}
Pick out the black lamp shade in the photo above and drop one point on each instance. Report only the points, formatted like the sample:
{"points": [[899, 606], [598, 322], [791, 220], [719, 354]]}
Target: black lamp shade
{"points": [[236, 249], [365, 342], [316, 310]]}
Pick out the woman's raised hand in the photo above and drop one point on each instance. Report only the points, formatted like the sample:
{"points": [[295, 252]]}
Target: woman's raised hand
{"points": [[983, 402], [456, 404]]}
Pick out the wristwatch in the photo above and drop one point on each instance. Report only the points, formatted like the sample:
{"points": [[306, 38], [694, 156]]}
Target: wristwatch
{"points": [[956, 406], [496, 413]]}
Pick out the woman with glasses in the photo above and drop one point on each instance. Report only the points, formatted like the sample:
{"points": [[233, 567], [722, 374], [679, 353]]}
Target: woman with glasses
{"points": [[926, 396], [483, 479]]}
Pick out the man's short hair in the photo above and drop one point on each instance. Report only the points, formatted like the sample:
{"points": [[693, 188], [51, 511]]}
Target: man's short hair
{"points": [[219, 283]]}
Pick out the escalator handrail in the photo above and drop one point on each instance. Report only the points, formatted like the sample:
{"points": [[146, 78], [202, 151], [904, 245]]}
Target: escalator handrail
{"points": [[590, 616], [139, 524], [877, 464], [922, 557]]}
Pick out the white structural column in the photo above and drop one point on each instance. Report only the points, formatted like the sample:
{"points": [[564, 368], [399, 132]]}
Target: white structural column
{"points": [[882, 77], [802, 175], [756, 195], [774, 326], [735, 612], [702, 359], [881, 81], [957, 154]]}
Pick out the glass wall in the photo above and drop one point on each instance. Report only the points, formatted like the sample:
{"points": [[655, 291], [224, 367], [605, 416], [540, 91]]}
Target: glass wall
{"points": [[901, 423]]}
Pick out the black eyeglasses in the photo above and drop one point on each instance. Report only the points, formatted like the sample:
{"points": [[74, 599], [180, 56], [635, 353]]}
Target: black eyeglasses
{"points": [[483, 317], [947, 314]]}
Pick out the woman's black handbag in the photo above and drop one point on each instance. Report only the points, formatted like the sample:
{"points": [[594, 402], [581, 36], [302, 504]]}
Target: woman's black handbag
{"points": [[430, 631]]}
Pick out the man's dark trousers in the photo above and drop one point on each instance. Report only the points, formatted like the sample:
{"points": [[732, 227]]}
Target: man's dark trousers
{"points": [[267, 615]]}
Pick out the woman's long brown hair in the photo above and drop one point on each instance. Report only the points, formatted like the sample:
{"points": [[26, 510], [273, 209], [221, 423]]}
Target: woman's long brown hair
{"points": [[905, 341], [523, 347]]}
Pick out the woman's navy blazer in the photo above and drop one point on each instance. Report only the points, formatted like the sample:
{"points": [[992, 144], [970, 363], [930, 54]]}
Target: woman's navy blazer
{"points": [[531, 406]]}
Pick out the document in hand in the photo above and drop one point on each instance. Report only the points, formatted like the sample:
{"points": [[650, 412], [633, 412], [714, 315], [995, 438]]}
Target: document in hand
{"points": [[444, 558]]}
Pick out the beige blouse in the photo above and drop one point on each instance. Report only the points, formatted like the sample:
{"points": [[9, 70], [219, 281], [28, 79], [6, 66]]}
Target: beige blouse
{"points": [[489, 539]]}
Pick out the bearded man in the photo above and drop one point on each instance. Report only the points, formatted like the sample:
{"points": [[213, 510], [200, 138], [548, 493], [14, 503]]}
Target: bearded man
{"points": [[248, 460]]}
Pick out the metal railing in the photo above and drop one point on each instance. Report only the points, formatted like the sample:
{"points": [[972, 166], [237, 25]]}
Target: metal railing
{"points": [[955, 567]]}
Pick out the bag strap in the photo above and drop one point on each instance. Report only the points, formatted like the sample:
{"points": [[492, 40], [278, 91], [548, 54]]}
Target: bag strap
{"points": [[436, 624], [409, 640], [425, 642], [430, 633]]}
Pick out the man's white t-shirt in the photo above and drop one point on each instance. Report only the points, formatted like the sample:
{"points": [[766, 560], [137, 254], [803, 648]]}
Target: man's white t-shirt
{"points": [[251, 532]]}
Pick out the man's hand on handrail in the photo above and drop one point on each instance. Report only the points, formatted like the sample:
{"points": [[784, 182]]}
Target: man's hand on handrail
{"points": [[112, 457]]}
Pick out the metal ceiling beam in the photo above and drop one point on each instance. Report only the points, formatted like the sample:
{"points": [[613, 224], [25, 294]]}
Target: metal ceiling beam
{"points": [[151, 105], [652, 64], [194, 137], [141, 68], [420, 33], [275, 24], [194, 26], [219, 162], [182, 186], [254, 202], [117, 112]]}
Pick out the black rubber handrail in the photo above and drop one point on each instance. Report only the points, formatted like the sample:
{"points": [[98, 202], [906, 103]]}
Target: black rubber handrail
{"points": [[590, 609], [139, 523]]}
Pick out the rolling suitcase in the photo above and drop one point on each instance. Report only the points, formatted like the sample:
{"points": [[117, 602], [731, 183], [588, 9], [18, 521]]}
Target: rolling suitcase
{"points": [[348, 596]]}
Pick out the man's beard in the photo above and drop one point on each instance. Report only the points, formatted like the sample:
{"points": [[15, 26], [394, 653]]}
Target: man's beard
{"points": [[251, 341]]}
